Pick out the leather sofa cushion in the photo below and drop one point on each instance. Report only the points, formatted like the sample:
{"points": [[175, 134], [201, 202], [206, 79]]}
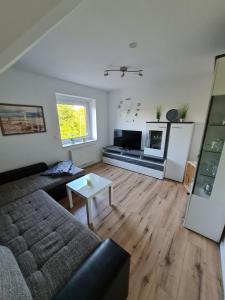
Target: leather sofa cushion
{"points": [[12, 284], [44, 238], [106, 273]]}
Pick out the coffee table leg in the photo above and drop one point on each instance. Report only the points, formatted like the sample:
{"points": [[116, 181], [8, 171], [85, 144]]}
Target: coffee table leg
{"points": [[110, 195], [69, 194], [89, 211]]}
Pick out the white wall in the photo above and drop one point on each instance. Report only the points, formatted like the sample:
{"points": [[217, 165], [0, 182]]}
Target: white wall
{"points": [[193, 90], [28, 88], [20, 30]]}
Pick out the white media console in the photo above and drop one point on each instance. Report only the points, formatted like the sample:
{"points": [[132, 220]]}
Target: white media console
{"points": [[134, 160]]}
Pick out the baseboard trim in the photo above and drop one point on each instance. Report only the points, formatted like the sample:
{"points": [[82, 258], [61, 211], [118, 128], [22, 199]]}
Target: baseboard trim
{"points": [[222, 257]]}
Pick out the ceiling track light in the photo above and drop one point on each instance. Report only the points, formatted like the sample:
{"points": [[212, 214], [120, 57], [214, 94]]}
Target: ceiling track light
{"points": [[123, 70]]}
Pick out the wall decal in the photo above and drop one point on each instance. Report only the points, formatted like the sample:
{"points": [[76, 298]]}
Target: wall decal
{"points": [[128, 110]]}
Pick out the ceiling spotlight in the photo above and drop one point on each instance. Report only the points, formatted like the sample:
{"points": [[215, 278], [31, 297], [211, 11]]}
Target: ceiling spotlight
{"points": [[124, 70]]}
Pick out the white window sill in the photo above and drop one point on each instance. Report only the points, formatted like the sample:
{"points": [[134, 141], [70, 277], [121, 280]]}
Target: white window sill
{"points": [[80, 144]]}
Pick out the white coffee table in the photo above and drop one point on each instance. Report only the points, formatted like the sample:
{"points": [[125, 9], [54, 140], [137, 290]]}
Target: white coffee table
{"points": [[87, 191]]}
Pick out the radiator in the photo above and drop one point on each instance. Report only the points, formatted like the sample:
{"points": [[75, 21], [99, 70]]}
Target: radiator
{"points": [[84, 156]]}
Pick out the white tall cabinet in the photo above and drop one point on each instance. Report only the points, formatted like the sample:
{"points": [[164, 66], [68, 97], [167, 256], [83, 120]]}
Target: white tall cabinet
{"points": [[206, 207], [180, 136]]}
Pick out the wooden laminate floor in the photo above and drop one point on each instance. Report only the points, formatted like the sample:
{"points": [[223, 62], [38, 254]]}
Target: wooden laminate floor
{"points": [[167, 260]]}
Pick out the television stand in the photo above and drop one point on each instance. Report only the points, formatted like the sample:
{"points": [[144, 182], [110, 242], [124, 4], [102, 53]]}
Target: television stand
{"points": [[134, 160]]}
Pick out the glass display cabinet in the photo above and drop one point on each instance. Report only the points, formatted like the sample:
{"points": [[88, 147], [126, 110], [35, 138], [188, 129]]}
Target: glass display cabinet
{"points": [[205, 212], [212, 147]]}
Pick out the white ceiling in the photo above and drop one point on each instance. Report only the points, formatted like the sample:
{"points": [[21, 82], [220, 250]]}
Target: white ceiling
{"points": [[175, 38], [15, 19], [23, 23]]}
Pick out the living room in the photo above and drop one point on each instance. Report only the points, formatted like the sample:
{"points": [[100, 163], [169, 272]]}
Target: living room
{"points": [[111, 150]]}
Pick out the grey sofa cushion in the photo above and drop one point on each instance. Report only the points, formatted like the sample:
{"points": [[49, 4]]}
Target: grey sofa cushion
{"points": [[19, 188], [46, 240], [12, 284]]}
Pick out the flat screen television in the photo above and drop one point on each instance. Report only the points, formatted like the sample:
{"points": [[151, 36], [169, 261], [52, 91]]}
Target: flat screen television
{"points": [[129, 139]]}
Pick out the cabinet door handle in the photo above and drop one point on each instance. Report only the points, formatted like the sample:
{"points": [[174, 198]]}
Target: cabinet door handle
{"points": [[177, 127], [162, 126]]}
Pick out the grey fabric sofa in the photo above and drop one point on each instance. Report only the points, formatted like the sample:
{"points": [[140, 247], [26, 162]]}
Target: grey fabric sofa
{"points": [[46, 254]]}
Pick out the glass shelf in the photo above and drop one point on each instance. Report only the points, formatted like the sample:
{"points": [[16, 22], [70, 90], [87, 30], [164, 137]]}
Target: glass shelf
{"points": [[199, 190], [212, 148], [211, 176], [216, 125], [210, 151]]}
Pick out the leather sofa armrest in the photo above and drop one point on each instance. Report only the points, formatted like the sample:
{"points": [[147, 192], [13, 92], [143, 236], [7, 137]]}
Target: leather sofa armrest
{"points": [[103, 275]]}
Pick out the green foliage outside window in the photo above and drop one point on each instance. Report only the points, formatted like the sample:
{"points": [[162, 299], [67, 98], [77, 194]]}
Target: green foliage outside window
{"points": [[72, 121]]}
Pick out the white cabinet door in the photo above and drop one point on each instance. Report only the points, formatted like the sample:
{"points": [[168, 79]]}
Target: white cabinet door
{"points": [[205, 217], [178, 150]]}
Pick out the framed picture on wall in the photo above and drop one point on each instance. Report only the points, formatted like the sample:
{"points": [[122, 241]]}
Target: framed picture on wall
{"points": [[21, 119]]}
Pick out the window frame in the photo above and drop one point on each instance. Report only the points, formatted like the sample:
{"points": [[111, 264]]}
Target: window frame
{"points": [[81, 101]]}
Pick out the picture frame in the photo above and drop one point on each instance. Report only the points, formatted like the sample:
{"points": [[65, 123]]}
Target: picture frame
{"points": [[18, 119]]}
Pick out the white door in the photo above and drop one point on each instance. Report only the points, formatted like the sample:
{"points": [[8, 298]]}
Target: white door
{"points": [[178, 150]]}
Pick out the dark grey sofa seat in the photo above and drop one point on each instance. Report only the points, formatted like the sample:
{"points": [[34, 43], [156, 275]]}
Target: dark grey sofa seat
{"points": [[17, 189], [46, 240]]}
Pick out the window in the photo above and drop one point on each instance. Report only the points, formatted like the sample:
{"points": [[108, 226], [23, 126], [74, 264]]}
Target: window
{"points": [[76, 119], [72, 120]]}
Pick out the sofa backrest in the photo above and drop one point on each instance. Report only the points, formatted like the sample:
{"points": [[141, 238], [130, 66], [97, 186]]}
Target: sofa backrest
{"points": [[22, 172]]}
